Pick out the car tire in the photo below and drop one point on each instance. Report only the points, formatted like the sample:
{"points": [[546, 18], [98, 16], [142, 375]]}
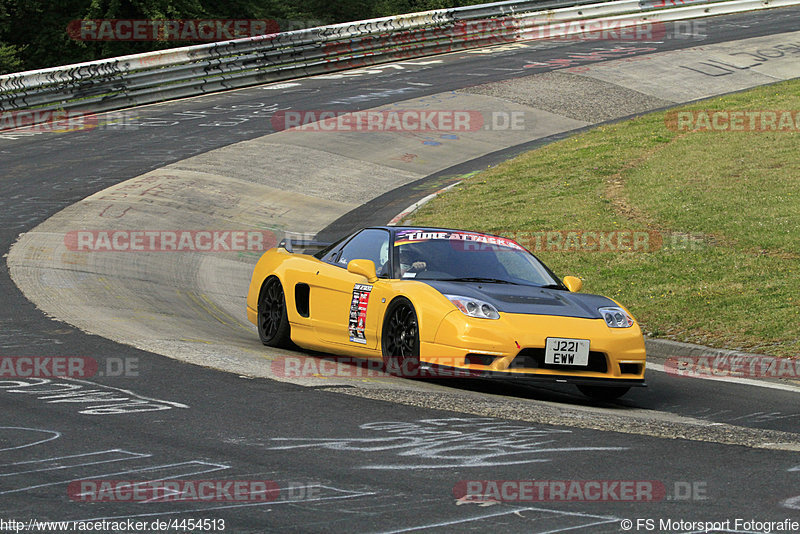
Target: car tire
{"points": [[605, 393], [273, 322], [400, 339]]}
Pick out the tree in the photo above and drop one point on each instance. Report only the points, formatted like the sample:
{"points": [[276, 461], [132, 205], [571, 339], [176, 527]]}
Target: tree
{"points": [[34, 35]]}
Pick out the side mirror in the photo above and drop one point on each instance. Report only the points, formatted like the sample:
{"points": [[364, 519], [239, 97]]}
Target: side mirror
{"points": [[365, 268], [573, 284]]}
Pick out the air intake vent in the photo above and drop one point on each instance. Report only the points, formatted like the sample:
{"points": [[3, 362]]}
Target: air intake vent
{"points": [[630, 368], [479, 359]]}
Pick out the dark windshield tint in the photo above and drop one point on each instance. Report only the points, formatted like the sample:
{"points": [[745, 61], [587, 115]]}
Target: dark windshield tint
{"points": [[446, 259]]}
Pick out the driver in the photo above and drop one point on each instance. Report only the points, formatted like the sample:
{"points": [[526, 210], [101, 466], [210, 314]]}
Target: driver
{"points": [[410, 262]]}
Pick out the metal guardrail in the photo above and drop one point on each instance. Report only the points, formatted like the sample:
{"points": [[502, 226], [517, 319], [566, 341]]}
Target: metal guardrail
{"points": [[189, 71]]}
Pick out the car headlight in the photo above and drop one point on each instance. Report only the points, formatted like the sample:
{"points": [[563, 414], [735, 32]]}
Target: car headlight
{"points": [[616, 317], [474, 307]]}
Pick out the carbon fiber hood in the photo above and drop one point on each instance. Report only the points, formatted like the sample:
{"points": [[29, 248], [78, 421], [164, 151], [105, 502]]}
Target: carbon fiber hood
{"points": [[511, 298]]}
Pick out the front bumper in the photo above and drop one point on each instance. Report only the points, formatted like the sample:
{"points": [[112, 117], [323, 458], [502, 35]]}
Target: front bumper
{"points": [[513, 347]]}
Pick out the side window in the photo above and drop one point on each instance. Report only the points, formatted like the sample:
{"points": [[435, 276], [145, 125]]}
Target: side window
{"points": [[329, 256], [329, 253], [371, 244]]}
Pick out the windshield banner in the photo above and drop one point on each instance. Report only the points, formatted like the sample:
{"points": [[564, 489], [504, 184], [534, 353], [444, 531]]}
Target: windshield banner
{"points": [[467, 241]]}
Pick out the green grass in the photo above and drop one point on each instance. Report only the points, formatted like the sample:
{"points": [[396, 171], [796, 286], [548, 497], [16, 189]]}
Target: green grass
{"points": [[726, 203]]}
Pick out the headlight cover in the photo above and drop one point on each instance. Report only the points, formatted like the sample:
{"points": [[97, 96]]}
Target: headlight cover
{"points": [[616, 317], [474, 307]]}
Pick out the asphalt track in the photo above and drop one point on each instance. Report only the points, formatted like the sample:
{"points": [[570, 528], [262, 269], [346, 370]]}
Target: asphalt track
{"points": [[350, 462]]}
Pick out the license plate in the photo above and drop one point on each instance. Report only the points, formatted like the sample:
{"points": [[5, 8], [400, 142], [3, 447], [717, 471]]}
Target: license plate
{"points": [[561, 351]]}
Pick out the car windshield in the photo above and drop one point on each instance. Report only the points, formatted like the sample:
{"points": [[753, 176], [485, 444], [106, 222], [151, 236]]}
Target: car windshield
{"points": [[468, 257]]}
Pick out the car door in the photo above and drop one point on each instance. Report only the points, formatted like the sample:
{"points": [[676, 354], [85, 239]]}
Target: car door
{"points": [[340, 300]]}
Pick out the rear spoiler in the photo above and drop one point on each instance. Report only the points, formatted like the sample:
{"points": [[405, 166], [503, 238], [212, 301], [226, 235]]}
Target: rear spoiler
{"points": [[306, 244]]}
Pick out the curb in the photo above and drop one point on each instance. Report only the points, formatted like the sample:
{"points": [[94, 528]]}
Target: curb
{"points": [[661, 349], [418, 204]]}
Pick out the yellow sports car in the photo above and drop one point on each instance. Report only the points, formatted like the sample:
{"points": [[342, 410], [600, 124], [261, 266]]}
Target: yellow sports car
{"points": [[431, 301]]}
